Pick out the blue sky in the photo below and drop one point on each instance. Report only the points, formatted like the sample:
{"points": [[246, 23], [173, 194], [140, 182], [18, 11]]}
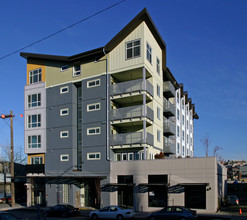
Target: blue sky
{"points": [[206, 51]]}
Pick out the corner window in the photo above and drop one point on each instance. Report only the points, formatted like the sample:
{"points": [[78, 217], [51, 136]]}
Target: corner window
{"points": [[34, 141], [34, 121], [64, 68], [93, 131], [64, 157], [133, 49], [64, 89], [158, 65], [93, 107], [64, 134], [34, 100], [93, 156], [149, 53], [64, 112], [77, 70], [35, 76], [93, 83]]}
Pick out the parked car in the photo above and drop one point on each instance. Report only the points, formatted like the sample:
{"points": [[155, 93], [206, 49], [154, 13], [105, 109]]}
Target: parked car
{"points": [[62, 211], [173, 212], [8, 216], [112, 212], [231, 200], [6, 199]]}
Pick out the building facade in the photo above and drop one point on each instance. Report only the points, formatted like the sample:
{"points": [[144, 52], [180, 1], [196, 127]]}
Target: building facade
{"points": [[116, 103]]}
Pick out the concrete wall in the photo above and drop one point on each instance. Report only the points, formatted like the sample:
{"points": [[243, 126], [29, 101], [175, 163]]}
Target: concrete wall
{"points": [[188, 170]]}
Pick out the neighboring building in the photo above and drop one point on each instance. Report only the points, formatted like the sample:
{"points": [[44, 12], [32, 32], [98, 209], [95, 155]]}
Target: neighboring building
{"points": [[85, 113]]}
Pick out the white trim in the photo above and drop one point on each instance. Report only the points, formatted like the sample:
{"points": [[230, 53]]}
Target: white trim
{"points": [[64, 114], [64, 155], [96, 107], [64, 132], [77, 72], [64, 87], [132, 47], [95, 83], [94, 153], [96, 131]]}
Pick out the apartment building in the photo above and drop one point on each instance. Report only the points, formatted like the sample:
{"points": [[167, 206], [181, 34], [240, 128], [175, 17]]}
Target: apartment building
{"points": [[118, 102]]}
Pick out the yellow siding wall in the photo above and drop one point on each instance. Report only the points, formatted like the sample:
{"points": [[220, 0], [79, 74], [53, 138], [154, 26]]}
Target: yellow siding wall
{"points": [[35, 155], [31, 66]]}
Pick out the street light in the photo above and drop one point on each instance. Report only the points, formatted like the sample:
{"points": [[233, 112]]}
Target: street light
{"points": [[12, 173]]}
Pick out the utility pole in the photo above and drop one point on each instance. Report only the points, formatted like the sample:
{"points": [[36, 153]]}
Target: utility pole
{"points": [[12, 171]]}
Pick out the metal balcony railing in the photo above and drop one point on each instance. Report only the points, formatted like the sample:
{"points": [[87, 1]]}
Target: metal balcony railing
{"points": [[169, 127], [168, 89], [130, 86], [131, 112], [35, 168], [169, 108], [169, 145], [131, 138]]}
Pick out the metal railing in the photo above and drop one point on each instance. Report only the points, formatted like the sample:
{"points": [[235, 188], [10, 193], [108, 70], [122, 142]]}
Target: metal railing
{"points": [[168, 89], [169, 107]]}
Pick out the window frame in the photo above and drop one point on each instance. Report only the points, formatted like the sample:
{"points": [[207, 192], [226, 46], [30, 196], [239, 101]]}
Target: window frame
{"points": [[158, 90], [31, 123], [132, 48], [149, 53], [64, 109], [158, 65], [158, 135], [94, 153], [76, 72], [30, 142], [40, 158], [66, 68], [32, 76], [94, 128], [158, 113], [64, 132], [31, 103], [64, 87], [64, 155], [93, 104], [95, 85]]}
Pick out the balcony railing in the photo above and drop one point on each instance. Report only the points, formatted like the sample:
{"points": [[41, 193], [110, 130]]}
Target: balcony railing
{"points": [[169, 108], [168, 89], [169, 146], [131, 138], [35, 168], [131, 112], [169, 127], [130, 87]]}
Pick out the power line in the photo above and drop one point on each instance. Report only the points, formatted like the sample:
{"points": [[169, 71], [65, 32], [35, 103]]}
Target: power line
{"points": [[70, 26]]}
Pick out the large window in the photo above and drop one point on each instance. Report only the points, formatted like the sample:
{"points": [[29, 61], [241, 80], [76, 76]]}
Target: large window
{"points": [[35, 76], [133, 49], [149, 53], [34, 121], [34, 141], [34, 100]]}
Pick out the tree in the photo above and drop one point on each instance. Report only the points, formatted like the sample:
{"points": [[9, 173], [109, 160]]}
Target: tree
{"points": [[161, 155], [19, 155], [206, 142]]}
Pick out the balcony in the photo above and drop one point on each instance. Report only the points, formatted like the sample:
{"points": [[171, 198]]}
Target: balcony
{"points": [[169, 146], [35, 168], [168, 89], [168, 127], [131, 115], [135, 138], [168, 108], [131, 91]]}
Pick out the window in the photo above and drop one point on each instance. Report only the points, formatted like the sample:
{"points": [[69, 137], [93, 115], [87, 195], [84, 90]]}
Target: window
{"points": [[64, 134], [34, 121], [183, 104], [65, 193], [77, 70], [158, 90], [93, 156], [183, 150], [187, 138], [177, 131], [177, 148], [183, 135], [183, 119], [64, 68], [64, 111], [93, 83], [34, 100], [93, 131], [133, 49], [158, 65], [118, 157], [178, 97], [149, 53], [187, 124], [64, 157], [36, 160], [34, 141], [158, 136], [158, 112], [177, 113], [35, 76], [124, 156], [64, 89], [130, 156], [93, 107]]}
